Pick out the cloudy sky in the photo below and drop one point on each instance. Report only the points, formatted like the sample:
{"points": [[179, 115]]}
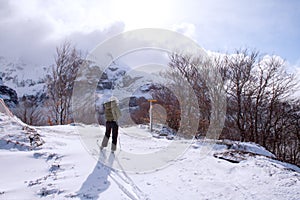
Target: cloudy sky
{"points": [[31, 29]]}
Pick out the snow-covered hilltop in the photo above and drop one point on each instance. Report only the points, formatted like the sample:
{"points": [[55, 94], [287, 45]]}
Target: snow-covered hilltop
{"points": [[61, 168]]}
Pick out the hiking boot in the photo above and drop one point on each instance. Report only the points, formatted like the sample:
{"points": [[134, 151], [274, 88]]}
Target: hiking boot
{"points": [[113, 148]]}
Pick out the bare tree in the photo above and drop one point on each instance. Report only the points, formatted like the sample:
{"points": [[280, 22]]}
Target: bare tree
{"points": [[276, 87], [169, 106], [260, 99], [213, 72], [60, 82], [184, 70], [260, 107], [28, 110], [205, 78], [239, 89]]}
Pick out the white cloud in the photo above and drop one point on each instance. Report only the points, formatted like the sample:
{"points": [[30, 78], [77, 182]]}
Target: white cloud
{"points": [[186, 29], [269, 26], [31, 32], [88, 41]]}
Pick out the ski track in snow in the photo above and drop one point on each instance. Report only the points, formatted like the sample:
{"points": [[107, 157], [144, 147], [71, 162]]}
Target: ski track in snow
{"points": [[63, 169]]}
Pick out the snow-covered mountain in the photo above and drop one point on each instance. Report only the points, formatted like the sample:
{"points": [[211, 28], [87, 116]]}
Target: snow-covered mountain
{"points": [[23, 78], [118, 80], [23, 88], [62, 168], [27, 79], [18, 79], [131, 87]]}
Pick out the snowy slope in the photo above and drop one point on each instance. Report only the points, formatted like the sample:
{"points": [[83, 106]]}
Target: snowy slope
{"points": [[63, 169]]}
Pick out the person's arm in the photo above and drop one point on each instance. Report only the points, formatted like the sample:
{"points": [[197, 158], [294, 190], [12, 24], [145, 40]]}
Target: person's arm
{"points": [[116, 112]]}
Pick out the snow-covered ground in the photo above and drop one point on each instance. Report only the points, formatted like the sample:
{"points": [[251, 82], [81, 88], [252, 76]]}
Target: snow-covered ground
{"points": [[63, 168]]}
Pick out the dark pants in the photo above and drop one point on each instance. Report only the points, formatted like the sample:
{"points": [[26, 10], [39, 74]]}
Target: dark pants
{"points": [[111, 126]]}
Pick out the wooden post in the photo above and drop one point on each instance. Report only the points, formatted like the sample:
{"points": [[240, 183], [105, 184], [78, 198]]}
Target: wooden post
{"points": [[151, 119]]}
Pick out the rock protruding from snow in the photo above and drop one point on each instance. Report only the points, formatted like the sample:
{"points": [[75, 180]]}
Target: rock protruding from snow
{"points": [[235, 152], [251, 148], [18, 136]]}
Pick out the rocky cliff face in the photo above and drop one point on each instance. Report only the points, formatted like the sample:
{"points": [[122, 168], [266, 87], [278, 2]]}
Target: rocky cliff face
{"points": [[9, 96]]}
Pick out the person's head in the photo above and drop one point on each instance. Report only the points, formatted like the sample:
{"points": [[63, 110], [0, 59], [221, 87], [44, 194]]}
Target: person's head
{"points": [[112, 102], [113, 99]]}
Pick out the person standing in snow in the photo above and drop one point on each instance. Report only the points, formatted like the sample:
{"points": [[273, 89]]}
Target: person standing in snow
{"points": [[112, 114]]}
